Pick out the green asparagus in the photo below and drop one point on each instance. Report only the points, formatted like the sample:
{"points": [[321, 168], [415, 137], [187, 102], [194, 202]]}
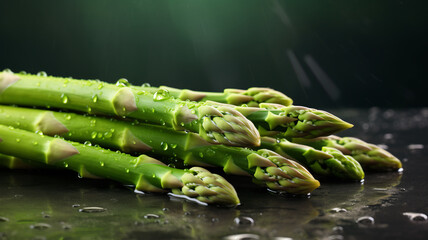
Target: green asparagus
{"points": [[267, 167], [219, 124], [327, 162], [370, 156], [146, 173], [251, 97], [275, 120]]}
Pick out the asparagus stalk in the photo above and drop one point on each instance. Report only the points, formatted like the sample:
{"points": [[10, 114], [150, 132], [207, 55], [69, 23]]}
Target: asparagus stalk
{"points": [[370, 156], [275, 120], [146, 173], [266, 167], [327, 162], [12, 162], [251, 97], [216, 124]]}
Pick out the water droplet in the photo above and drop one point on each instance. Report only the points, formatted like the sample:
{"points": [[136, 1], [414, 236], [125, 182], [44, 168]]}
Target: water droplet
{"points": [[40, 226], [18, 140], [210, 152], [102, 164], [338, 210], [123, 82], [151, 216], [23, 72], [95, 98], [416, 217], [99, 135], [39, 132], [4, 219], [75, 205], [64, 98], [100, 86], [164, 146], [365, 220], [201, 155], [35, 143], [243, 221], [42, 74], [92, 209], [415, 146], [173, 145], [165, 209], [161, 94], [127, 170], [142, 85], [94, 135], [242, 236], [68, 116], [66, 165], [153, 175], [108, 134], [87, 143], [171, 165]]}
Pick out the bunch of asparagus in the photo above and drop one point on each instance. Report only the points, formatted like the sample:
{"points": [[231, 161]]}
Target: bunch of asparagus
{"points": [[101, 130]]}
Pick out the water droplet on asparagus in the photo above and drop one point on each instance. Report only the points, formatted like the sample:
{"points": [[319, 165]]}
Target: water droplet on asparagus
{"points": [[102, 164], [164, 146], [151, 216], [161, 94], [92, 209], [94, 135], [142, 85], [95, 98], [64, 98], [40, 226], [42, 74], [123, 82]]}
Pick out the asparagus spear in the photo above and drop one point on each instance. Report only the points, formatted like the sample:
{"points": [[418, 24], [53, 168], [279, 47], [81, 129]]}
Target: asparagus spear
{"points": [[267, 167], [216, 124], [276, 120], [370, 156], [146, 173], [327, 162], [251, 97]]}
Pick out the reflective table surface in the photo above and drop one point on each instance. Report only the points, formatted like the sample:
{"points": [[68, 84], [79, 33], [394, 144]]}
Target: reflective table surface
{"points": [[57, 205]]}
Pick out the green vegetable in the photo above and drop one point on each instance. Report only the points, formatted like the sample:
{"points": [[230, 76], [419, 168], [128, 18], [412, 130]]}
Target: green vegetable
{"points": [[251, 97], [146, 173], [267, 167], [216, 124], [327, 162], [275, 120], [370, 156]]}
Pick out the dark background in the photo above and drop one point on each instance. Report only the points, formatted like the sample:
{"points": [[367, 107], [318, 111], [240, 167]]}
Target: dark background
{"points": [[321, 53]]}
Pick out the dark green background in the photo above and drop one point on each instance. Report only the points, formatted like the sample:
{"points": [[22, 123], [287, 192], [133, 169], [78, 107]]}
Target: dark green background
{"points": [[374, 52]]}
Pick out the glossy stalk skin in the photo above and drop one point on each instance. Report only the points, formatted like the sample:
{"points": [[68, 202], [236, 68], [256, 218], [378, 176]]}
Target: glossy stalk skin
{"points": [[325, 162], [266, 167], [370, 156], [220, 124], [251, 97], [146, 173]]}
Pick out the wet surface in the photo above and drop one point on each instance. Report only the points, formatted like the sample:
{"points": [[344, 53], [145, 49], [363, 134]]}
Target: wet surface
{"points": [[58, 205]]}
